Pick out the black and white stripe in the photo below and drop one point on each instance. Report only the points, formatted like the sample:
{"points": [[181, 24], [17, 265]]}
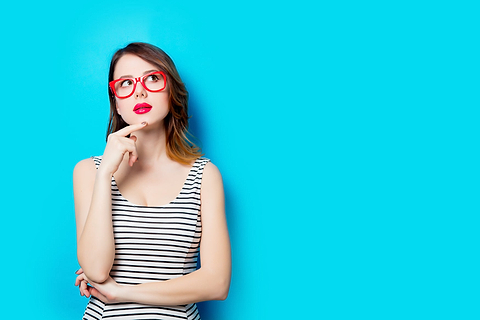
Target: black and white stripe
{"points": [[153, 244]]}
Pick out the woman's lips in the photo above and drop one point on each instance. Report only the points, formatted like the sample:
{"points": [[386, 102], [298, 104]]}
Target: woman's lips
{"points": [[142, 108]]}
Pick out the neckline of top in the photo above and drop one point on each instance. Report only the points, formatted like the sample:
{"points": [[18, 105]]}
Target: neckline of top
{"points": [[162, 206]]}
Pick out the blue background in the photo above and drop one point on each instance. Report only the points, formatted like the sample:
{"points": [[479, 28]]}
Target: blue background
{"points": [[346, 133]]}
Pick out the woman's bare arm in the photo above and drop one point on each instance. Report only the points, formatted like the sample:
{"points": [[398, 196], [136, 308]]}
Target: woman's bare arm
{"points": [[93, 213]]}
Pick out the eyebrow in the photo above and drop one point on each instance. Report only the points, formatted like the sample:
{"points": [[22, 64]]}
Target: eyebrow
{"points": [[146, 72]]}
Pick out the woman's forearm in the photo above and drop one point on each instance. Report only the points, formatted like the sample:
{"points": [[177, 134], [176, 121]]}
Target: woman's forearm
{"points": [[200, 285], [96, 247]]}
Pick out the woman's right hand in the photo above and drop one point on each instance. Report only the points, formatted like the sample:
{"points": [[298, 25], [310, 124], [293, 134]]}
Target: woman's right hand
{"points": [[117, 145]]}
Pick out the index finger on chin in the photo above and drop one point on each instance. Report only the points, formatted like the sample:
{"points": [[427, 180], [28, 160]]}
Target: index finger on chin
{"points": [[131, 128]]}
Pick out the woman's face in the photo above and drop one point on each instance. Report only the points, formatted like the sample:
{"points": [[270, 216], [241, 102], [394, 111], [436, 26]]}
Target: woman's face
{"points": [[136, 108]]}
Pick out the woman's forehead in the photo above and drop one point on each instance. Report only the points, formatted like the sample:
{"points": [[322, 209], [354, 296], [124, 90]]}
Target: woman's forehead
{"points": [[132, 65]]}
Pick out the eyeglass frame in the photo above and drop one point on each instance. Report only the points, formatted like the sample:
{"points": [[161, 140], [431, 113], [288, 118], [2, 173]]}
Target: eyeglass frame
{"points": [[136, 80]]}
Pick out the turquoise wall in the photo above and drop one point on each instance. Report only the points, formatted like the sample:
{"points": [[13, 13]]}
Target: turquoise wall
{"points": [[346, 132]]}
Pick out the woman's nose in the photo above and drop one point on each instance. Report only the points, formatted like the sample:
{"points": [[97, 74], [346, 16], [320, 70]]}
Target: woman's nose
{"points": [[140, 90]]}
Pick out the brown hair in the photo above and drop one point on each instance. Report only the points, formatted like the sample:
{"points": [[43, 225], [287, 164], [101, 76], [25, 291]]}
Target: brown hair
{"points": [[179, 147]]}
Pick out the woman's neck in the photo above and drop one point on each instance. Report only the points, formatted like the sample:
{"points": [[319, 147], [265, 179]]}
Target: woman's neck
{"points": [[151, 145]]}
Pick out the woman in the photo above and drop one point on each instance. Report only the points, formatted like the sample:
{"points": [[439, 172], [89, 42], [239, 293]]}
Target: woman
{"points": [[147, 207]]}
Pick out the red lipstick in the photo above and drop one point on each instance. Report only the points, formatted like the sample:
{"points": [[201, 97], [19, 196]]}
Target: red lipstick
{"points": [[141, 108]]}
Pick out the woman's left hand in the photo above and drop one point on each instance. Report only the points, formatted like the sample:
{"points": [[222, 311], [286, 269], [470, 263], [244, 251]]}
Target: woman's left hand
{"points": [[106, 291], [82, 283]]}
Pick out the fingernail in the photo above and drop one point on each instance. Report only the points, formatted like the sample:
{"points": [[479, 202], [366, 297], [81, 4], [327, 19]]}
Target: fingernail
{"points": [[144, 122]]}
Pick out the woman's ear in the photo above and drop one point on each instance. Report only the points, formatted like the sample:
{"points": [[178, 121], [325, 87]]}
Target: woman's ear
{"points": [[116, 107]]}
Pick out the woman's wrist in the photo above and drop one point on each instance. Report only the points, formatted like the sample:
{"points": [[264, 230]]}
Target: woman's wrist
{"points": [[101, 173]]}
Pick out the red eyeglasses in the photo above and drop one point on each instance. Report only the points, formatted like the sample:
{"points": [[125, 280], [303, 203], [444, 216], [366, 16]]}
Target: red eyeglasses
{"points": [[125, 87]]}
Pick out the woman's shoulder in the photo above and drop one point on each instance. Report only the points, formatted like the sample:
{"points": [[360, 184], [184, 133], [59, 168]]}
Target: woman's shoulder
{"points": [[86, 165], [210, 170], [212, 181]]}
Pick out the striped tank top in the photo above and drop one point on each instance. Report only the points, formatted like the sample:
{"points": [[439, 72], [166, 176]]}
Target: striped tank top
{"points": [[153, 244]]}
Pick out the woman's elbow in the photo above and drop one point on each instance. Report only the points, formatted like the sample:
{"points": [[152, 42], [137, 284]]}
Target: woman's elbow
{"points": [[223, 295], [97, 277], [221, 289], [94, 273]]}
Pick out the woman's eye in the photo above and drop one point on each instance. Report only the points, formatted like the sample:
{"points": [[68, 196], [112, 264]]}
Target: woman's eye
{"points": [[126, 83], [152, 77]]}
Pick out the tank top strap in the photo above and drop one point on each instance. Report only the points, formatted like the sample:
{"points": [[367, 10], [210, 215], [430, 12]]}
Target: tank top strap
{"points": [[97, 160], [199, 165]]}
